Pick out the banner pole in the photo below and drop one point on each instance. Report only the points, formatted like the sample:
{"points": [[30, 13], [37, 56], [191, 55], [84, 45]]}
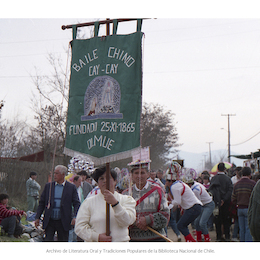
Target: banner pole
{"points": [[107, 171], [107, 205], [70, 148]]}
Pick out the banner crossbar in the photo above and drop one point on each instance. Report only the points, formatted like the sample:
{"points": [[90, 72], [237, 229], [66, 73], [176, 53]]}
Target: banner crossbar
{"points": [[107, 21]]}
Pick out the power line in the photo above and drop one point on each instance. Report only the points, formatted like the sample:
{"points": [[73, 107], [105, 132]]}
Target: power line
{"points": [[198, 70], [247, 139], [7, 77], [42, 40], [26, 55], [153, 72]]}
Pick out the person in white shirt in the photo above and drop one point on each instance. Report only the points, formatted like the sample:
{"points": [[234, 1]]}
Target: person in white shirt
{"points": [[184, 197], [208, 205], [91, 218], [237, 175]]}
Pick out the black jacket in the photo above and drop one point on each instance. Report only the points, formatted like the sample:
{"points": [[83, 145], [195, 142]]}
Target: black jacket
{"points": [[69, 198], [221, 188]]}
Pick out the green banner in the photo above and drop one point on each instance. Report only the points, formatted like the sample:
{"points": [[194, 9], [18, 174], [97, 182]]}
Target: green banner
{"points": [[105, 97]]}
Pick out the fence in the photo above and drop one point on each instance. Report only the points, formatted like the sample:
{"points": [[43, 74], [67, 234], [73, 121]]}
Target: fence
{"points": [[14, 174]]}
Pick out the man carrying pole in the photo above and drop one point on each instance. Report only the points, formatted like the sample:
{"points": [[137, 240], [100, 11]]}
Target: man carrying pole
{"points": [[152, 212]]}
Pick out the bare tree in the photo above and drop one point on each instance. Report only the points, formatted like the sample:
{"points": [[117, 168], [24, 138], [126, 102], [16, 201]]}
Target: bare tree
{"points": [[11, 137], [50, 104]]}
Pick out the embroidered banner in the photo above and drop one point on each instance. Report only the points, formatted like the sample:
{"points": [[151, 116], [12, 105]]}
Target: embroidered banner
{"points": [[105, 98]]}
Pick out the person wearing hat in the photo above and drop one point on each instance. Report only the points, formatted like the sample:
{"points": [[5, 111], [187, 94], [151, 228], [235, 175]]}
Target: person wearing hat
{"points": [[183, 196], [151, 206], [221, 188], [91, 218], [33, 188], [207, 208]]}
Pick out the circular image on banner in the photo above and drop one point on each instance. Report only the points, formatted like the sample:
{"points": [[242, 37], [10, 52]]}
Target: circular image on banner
{"points": [[102, 99]]}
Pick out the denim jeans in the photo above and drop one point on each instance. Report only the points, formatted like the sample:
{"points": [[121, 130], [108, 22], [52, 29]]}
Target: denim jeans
{"points": [[244, 232], [72, 236], [188, 216], [202, 219], [172, 222], [211, 222]]}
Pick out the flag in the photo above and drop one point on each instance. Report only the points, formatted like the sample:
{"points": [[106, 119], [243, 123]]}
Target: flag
{"points": [[103, 121]]}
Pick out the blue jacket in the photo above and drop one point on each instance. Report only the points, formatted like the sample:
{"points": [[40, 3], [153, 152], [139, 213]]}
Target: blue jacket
{"points": [[69, 198]]}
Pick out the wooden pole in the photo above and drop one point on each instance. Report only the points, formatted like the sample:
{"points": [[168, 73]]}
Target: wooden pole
{"points": [[107, 205], [52, 170], [159, 234], [107, 174], [107, 21]]}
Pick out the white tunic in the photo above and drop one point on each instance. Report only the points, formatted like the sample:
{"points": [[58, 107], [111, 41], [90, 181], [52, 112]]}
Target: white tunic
{"points": [[201, 193], [183, 195]]}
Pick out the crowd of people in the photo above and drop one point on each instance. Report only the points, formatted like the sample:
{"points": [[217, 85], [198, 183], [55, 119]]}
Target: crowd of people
{"points": [[140, 205]]}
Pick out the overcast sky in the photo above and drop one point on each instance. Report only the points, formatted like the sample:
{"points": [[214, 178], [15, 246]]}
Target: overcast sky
{"points": [[198, 68]]}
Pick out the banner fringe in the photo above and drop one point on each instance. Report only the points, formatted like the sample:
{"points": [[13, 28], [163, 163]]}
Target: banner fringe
{"points": [[102, 160]]}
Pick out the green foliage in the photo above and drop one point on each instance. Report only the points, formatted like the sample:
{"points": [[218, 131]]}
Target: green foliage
{"points": [[50, 125], [22, 238], [5, 238], [159, 132]]}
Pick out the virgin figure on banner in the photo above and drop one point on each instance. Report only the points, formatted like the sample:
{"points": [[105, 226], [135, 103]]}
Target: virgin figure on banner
{"points": [[102, 99]]}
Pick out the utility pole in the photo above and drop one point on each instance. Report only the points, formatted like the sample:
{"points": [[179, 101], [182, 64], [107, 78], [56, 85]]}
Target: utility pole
{"points": [[204, 160], [209, 152], [229, 115], [1, 106]]}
